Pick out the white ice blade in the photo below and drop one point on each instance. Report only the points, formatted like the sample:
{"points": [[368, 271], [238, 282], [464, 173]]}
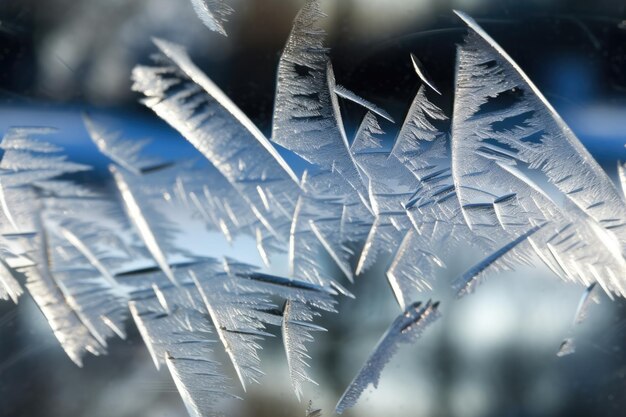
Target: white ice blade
{"points": [[406, 328], [213, 14]]}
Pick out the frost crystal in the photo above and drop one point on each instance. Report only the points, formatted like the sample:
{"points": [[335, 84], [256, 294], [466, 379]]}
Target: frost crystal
{"points": [[307, 119], [313, 412], [189, 101], [406, 328], [502, 173], [507, 141], [213, 13], [568, 347], [589, 296], [296, 329]]}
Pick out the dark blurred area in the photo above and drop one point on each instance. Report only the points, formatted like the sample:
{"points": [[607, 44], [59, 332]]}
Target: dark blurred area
{"points": [[492, 355], [82, 51]]}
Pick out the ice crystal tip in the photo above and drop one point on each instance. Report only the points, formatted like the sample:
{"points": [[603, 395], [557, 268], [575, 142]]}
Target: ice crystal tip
{"points": [[422, 74], [213, 14], [567, 347]]}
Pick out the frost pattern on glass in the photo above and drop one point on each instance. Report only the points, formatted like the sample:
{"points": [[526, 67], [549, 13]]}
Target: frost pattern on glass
{"points": [[422, 146], [589, 296], [537, 135], [125, 153], [343, 92], [504, 174], [180, 337], [151, 226], [307, 119], [504, 259], [30, 167], [10, 288], [516, 165], [182, 95], [313, 412], [82, 271], [296, 331], [406, 328], [213, 13], [567, 347]]}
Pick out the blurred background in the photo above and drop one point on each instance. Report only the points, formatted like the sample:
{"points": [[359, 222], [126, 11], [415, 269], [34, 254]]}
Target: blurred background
{"points": [[493, 354]]}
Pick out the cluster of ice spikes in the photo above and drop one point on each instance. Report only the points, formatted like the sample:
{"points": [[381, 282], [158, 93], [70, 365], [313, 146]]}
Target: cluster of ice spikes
{"points": [[502, 173]]}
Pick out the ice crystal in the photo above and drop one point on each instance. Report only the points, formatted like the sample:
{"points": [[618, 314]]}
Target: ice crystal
{"points": [[506, 141], [213, 13], [406, 328], [502, 172], [589, 296], [568, 347]]}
